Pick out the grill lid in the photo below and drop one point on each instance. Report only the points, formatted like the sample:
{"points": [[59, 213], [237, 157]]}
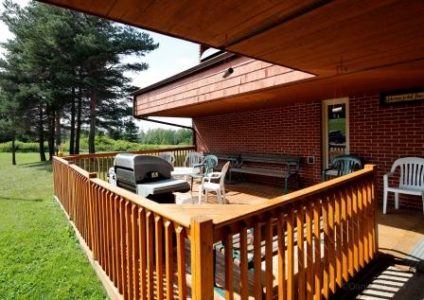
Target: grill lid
{"points": [[143, 166]]}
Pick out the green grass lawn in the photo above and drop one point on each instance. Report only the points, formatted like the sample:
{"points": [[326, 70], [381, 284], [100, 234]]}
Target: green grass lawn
{"points": [[40, 257]]}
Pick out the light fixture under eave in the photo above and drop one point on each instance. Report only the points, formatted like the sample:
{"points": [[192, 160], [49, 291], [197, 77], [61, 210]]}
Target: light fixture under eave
{"points": [[228, 72], [337, 109]]}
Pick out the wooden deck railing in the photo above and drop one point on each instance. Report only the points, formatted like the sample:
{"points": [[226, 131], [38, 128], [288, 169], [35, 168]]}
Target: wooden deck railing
{"points": [[303, 245], [101, 162], [308, 243]]}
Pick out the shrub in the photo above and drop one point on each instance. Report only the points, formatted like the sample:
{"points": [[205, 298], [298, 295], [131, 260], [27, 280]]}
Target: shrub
{"points": [[103, 144], [20, 146]]}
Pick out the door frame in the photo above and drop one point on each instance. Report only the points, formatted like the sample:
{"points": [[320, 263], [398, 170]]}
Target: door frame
{"points": [[324, 122]]}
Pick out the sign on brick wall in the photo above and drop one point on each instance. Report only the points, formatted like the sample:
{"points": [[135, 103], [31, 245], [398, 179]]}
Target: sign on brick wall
{"points": [[403, 96]]}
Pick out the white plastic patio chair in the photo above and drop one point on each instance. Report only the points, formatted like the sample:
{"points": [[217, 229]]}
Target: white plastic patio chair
{"points": [[219, 188], [411, 179], [168, 156], [193, 158], [206, 166]]}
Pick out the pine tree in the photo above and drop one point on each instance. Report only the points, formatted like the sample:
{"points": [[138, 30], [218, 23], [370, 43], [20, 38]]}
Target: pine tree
{"points": [[131, 131], [73, 69], [105, 44], [13, 113]]}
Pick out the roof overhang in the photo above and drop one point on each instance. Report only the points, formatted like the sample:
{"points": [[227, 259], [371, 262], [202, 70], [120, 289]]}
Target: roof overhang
{"points": [[348, 45], [321, 37], [302, 87], [200, 90]]}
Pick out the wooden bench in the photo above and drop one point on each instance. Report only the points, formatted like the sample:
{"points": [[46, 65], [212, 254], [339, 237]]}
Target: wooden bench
{"points": [[253, 164]]}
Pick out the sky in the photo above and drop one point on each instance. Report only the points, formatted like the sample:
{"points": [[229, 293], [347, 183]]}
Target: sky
{"points": [[173, 56]]}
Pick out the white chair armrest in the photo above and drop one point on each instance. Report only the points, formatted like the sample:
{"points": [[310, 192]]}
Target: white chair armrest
{"points": [[386, 179], [211, 176], [214, 175]]}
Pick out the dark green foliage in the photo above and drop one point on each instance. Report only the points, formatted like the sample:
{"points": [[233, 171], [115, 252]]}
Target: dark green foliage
{"points": [[13, 115], [105, 143], [65, 70], [161, 136], [20, 146], [131, 131]]}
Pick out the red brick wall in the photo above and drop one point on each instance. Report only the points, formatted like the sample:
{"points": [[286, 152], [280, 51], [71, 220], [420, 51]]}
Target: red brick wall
{"points": [[292, 130], [381, 134], [378, 134]]}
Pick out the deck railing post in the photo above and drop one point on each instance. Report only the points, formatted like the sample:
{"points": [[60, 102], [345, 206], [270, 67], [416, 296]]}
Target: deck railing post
{"points": [[374, 206], [201, 236], [90, 213]]}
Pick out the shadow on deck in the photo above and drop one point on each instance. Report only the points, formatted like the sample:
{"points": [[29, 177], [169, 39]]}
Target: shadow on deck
{"points": [[388, 277], [398, 272]]}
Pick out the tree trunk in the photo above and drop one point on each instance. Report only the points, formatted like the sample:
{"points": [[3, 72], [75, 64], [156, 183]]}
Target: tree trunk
{"points": [[78, 125], [51, 123], [92, 133], [41, 134], [13, 152], [72, 133], [58, 130]]}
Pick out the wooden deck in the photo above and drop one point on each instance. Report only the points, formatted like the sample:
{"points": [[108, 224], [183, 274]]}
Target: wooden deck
{"points": [[400, 234], [267, 244], [238, 193], [400, 231]]}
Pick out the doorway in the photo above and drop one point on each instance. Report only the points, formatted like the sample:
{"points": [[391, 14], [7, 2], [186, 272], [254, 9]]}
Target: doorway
{"points": [[335, 129]]}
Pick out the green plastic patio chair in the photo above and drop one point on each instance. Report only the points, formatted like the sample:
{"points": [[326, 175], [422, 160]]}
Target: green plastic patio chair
{"points": [[206, 167], [342, 165]]}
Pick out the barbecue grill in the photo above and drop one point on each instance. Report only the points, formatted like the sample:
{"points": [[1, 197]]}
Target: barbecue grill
{"points": [[148, 176]]}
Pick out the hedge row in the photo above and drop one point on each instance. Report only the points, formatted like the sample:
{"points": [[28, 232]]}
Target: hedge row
{"points": [[20, 147], [103, 144]]}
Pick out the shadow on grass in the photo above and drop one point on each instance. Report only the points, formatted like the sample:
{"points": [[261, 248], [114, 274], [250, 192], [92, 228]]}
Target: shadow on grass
{"points": [[42, 165], [20, 199]]}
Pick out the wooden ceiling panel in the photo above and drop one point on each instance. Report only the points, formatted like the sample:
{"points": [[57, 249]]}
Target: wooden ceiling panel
{"points": [[97, 8], [222, 22], [128, 10], [325, 44], [321, 37]]}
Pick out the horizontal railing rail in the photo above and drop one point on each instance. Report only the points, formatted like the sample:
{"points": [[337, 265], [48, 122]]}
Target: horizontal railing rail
{"points": [[100, 163], [305, 244]]}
